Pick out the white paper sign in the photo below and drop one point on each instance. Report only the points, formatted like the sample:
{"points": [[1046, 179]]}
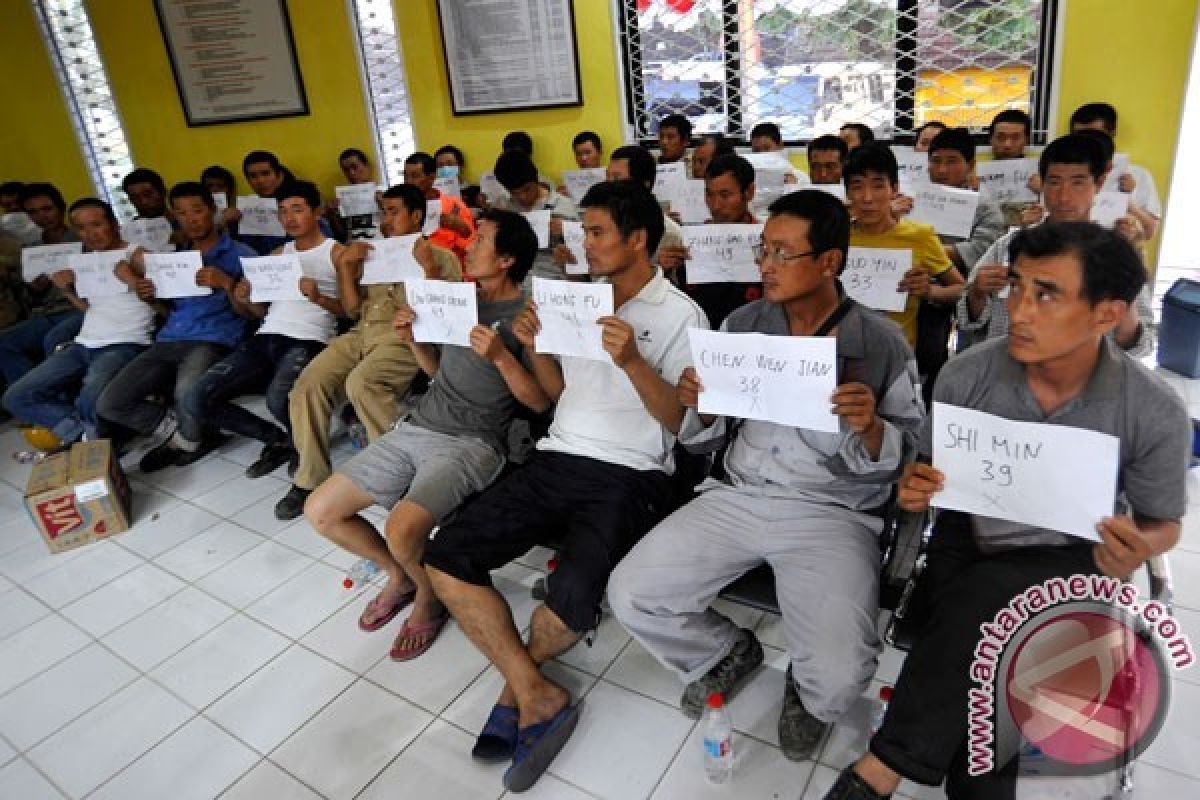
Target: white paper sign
{"points": [[174, 274], [491, 188], [838, 190], [567, 311], [433, 216], [47, 259], [950, 211], [260, 216], [94, 276], [573, 236], [688, 202], [914, 168], [783, 379], [872, 274], [667, 180], [1120, 163], [1108, 207], [446, 311], [449, 185], [770, 169], [153, 234], [578, 181], [221, 201], [391, 261], [357, 200], [540, 222], [1048, 476], [1007, 180], [273, 278], [722, 253]]}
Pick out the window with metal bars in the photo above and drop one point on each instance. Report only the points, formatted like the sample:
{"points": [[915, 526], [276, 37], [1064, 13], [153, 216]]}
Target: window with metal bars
{"points": [[382, 68], [67, 32], [811, 66]]}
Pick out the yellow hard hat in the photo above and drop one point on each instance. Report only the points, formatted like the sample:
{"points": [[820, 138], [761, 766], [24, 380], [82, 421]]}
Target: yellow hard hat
{"points": [[41, 438]]}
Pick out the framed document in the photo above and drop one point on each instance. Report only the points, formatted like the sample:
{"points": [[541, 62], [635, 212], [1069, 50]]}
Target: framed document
{"points": [[234, 60], [504, 55]]}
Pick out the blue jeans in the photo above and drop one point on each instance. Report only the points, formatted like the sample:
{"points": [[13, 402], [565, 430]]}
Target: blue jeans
{"points": [[61, 392], [266, 362], [164, 369], [27, 343]]}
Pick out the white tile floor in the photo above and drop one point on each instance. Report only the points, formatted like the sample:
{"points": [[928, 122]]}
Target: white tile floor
{"points": [[211, 651]]}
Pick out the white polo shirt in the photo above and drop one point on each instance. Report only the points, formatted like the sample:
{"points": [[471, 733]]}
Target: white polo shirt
{"points": [[600, 414]]}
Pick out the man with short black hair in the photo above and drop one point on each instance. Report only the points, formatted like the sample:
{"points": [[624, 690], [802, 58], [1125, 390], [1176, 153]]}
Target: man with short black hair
{"points": [[456, 223], [807, 503], [1009, 134], [517, 174], [147, 191], [826, 156], [1071, 285], [598, 481], [856, 134], [589, 152], [356, 167], [674, 137], [1134, 180], [265, 174], [765, 137], [711, 147], [951, 163]]}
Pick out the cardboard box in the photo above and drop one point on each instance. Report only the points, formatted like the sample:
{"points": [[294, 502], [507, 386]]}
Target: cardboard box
{"points": [[79, 497]]}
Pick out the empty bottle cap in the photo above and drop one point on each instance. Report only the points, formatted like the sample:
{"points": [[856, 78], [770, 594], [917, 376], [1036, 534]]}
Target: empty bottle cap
{"points": [[715, 700]]}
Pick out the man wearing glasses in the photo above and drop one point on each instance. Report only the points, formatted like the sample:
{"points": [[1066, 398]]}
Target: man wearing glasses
{"points": [[808, 503]]}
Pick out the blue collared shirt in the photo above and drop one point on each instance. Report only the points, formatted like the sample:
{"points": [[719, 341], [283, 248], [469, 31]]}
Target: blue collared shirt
{"points": [[210, 318]]}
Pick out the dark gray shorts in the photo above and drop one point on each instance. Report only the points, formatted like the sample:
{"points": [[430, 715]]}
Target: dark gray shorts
{"points": [[435, 471]]}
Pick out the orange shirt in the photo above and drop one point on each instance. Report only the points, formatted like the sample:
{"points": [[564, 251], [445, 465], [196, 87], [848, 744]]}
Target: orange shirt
{"points": [[452, 240]]}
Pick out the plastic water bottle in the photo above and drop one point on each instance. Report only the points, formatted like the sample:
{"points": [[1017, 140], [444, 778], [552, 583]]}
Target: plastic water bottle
{"points": [[885, 697], [363, 570], [718, 740]]}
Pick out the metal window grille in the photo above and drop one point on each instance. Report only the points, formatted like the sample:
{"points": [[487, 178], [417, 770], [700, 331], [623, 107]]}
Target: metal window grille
{"points": [[382, 68], [811, 66], [67, 32]]}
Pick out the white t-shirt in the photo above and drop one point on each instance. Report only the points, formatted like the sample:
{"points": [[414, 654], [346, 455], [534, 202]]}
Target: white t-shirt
{"points": [[119, 319], [301, 318], [600, 414], [1145, 193]]}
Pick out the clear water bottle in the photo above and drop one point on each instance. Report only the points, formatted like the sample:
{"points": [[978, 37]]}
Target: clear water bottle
{"points": [[885, 697], [363, 570], [718, 740]]}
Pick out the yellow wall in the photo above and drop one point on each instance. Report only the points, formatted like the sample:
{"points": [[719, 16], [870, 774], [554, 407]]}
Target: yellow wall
{"points": [[159, 137], [38, 140], [479, 135]]}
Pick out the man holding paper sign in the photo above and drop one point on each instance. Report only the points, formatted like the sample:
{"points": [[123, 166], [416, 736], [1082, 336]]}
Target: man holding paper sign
{"points": [[1072, 284], [450, 446], [519, 176], [293, 330], [598, 482], [806, 500], [368, 366], [61, 393], [455, 224], [199, 331]]}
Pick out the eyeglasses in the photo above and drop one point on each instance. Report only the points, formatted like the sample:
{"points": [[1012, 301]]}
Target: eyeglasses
{"points": [[761, 254]]}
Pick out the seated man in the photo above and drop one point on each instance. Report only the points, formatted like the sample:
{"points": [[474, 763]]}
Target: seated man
{"points": [[449, 447], [265, 175], [356, 168], [147, 192], [808, 503], [199, 332], [60, 393], [53, 317], [1134, 180], [674, 137], [766, 137], [599, 480], [1008, 136], [711, 146], [589, 152], [856, 134], [368, 365], [1072, 169], [1071, 284], [872, 180], [728, 193], [456, 223], [826, 156], [292, 332], [517, 174]]}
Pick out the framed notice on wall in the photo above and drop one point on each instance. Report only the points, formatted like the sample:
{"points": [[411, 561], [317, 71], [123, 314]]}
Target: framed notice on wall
{"points": [[503, 55], [234, 60]]}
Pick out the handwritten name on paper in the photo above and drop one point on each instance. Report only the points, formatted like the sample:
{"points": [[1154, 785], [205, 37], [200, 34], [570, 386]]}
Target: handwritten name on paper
{"points": [[540, 222], [573, 236], [391, 260], [784, 379], [449, 184], [872, 275], [722, 253], [221, 201], [433, 216], [47, 259], [913, 168], [578, 181], [260, 216], [688, 202], [667, 180], [950, 211], [838, 190], [174, 274], [153, 234], [273, 278], [492, 189], [1046, 476], [568, 312], [1108, 207], [94, 274], [1007, 180], [357, 200], [446, 311]]}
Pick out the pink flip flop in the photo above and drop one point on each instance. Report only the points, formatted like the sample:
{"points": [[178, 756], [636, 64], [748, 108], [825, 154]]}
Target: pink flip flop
{"points": [[382, 612], [425, 633]]}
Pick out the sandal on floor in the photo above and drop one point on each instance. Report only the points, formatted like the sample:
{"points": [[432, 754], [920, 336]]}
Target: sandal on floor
{"points": [[537, 745], [381, 612], [425, 633], [498, 738]]}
